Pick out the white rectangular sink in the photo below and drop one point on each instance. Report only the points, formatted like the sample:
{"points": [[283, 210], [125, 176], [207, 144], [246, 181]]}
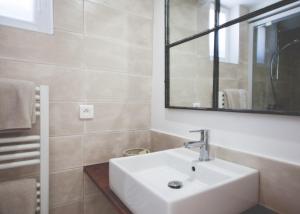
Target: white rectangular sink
{"points": [[215, 187]]}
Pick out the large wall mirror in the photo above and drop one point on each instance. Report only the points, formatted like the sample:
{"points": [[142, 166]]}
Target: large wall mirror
{"points": [[233, 55]]}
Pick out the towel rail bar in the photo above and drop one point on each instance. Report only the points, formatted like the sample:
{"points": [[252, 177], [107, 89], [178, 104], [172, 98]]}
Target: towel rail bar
{"points": [[20, 139], [19, 164], [19, 147], [19, 156]]}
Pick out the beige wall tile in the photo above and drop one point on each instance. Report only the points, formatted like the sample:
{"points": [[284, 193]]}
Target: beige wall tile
{"points": [[68, 15], [65, 84], [106, 85], [139, 61], [61, 48], [103, 54], [119, 116], [67, 120], [97, 204], [228, 83], [73, 208], [141, 8], [185, 13], [139, 31], [161, 141], [100, 54], [66, 187], [139, 88], [101, 147], [104, 21], [117, 86], [65, 153], [111, 23]]}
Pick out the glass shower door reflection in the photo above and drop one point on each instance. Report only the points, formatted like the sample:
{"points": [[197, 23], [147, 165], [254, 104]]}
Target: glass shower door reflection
{"points": [[276, 67]]}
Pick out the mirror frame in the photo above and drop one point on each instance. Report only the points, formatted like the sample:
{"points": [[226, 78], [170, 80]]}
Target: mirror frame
{"points": [[217, 27]]}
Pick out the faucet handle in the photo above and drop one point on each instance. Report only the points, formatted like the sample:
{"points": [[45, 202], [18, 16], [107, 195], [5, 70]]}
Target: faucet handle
{"points": [[199, 130], [203, 133]]}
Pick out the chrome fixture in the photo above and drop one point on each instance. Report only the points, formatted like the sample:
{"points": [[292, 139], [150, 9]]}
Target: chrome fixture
{"points": [[274, 75], [275, 58], [202, 144], [175, 184]]}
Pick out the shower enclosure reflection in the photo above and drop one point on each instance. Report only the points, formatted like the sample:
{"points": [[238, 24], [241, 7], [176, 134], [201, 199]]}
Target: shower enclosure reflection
{"points": [[276, 65]]}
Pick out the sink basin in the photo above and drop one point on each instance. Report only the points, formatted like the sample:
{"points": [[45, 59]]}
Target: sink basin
{"points": [[213, 187]]}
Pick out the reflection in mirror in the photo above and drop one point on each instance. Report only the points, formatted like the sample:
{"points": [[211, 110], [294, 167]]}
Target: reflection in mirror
{"points": [[236, 8], [191, 74], [276, 67], [233, 67], [189, 17], [263, 74]]}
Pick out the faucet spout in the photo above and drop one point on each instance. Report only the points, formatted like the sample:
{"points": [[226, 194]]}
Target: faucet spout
{"points": [[193, 144]]}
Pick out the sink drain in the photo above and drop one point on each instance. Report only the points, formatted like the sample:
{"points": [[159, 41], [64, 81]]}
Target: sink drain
{"points": [[175, 184]]}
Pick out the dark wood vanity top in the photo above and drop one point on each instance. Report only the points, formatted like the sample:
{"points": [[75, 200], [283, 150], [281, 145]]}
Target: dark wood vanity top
{"points": [[99, 174]]}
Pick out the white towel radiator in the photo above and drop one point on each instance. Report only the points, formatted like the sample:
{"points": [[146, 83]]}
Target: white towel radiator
{"points": [[32, 150]]}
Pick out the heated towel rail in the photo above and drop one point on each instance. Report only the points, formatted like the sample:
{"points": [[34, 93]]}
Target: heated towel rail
{"points": [[221, 99], [32, 150]]}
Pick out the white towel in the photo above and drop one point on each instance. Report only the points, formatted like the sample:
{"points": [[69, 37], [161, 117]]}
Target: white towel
{"points": [[17, 104], [235, 98], [18, 196]]}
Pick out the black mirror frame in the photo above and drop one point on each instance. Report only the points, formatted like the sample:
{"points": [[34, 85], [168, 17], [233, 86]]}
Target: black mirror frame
{"points": [[216, 28]]}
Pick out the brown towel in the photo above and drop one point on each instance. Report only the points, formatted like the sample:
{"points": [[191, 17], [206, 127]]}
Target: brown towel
{"points": [[235, 98], [17, 104], [18, 197]]}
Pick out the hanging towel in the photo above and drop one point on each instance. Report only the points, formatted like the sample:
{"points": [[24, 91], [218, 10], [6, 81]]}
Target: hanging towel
{"points": [[235, 98], [18, 197], [17, 104]]}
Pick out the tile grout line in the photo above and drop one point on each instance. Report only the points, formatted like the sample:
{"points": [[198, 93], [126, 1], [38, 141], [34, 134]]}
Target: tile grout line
{"points": [[95, 70]]}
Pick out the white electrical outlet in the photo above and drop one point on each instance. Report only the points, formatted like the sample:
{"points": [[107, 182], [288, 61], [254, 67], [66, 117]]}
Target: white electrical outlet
{"points": [[86, 111]]}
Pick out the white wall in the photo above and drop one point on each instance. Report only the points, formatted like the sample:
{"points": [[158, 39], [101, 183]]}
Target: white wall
{"points": [[272, 136]]}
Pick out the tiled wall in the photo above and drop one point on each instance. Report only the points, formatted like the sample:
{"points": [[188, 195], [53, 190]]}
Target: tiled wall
{"points": [[279, 181], [101, 54]]}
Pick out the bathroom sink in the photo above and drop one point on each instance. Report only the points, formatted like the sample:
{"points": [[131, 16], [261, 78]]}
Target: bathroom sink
{"points": [[212, 187]]}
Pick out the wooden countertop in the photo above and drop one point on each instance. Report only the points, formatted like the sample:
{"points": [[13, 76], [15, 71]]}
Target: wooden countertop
{"points": [[99, 174]]}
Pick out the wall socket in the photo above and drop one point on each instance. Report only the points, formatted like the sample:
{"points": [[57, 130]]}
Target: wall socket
{"points": [[86, 111]]}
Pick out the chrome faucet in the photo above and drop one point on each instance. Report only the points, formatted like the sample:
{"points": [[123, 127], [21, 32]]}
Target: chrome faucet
{"points": [[202, 144]]}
